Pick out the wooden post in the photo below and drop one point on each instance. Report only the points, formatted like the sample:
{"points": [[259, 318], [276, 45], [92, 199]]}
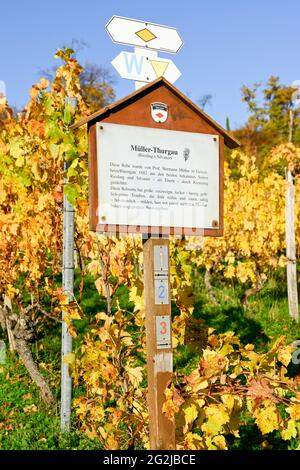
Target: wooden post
{"points": [[159, 340], [291, 248]]}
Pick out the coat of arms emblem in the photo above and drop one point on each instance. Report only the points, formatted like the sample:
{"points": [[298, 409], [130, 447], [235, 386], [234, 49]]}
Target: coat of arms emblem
{"points": [[159, 112]]}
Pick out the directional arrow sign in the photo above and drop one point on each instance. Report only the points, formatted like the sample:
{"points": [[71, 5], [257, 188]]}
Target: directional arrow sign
{"points": [[143, 68], [143, 34]]}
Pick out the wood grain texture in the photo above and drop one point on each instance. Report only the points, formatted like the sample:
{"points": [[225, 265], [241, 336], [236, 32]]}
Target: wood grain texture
{"points": [[160, 82], [93, 177], [159, 361]]}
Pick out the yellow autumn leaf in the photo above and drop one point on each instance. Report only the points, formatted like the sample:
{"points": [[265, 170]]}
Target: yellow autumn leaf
{"points": [[93, 267], [135, 375], [200, 402], [217, 416], [101, 316], [126, 339], [29, 409], [137, 299], [20, 161], [70, 326], [294, 411], [190, 413], [63, 298], [220, 442], [100, 286], [213, 363], [290, 431], [229, 272], [228, 401], [193, 441], [285, 355], [72, 310], [267, 418], [139, 318], [226, 349], [175, 342], [170, 408], [201, 385], [69, 359]]}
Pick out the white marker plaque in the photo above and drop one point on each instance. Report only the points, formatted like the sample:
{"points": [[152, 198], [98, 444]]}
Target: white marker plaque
{"points": [[161, 259], [157, 177], [161, 291], [163, 332]]}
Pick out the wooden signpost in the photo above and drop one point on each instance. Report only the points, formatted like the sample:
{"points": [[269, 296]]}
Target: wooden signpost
{"points": [[159, 339], [156, 168]]}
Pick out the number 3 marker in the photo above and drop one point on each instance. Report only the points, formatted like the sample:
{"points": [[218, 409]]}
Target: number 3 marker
{"points": [[163, 332]]}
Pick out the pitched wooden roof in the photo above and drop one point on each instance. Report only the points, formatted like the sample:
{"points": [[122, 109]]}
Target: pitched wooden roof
{"points": [[229, 140]]}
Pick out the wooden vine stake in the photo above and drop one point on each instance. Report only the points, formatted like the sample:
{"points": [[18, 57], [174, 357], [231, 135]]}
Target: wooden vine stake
{"points": [[291, 248], [291, 268], [159, 340]]}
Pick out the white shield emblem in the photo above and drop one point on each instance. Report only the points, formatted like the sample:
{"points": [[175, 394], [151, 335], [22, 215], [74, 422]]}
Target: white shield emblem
{"points": [[159, 112]]}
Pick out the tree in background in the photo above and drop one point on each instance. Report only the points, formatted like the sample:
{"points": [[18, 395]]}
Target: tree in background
{"points": [[269, 122], [97, 86], [96, 82]]}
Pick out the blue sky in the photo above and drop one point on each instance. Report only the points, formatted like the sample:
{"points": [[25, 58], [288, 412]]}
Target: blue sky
{"points": [[226, 43]]}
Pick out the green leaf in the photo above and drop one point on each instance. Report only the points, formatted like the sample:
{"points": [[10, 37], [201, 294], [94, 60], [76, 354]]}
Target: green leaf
{"points": [[67, 115], [54, 150], [71, 192], [16, 147], [290, 431], [53, 132], [24, 179]]}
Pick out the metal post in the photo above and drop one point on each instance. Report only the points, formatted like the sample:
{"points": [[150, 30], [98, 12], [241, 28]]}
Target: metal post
{"points": [[68, 289], [150, 55]]}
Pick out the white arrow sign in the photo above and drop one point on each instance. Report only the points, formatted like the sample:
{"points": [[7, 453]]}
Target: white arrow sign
{"points": [[145, 68], [143, 34]]}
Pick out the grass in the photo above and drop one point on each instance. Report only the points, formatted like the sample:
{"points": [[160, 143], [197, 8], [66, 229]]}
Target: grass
{"points": [[25, 423], [265, 319]]}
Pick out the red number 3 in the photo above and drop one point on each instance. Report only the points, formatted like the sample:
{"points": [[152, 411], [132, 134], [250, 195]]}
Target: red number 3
{"points": [[163, 325]]}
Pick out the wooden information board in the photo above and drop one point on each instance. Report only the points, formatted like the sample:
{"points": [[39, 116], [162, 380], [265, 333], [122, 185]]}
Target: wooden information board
{"points": [[156, 165]]}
